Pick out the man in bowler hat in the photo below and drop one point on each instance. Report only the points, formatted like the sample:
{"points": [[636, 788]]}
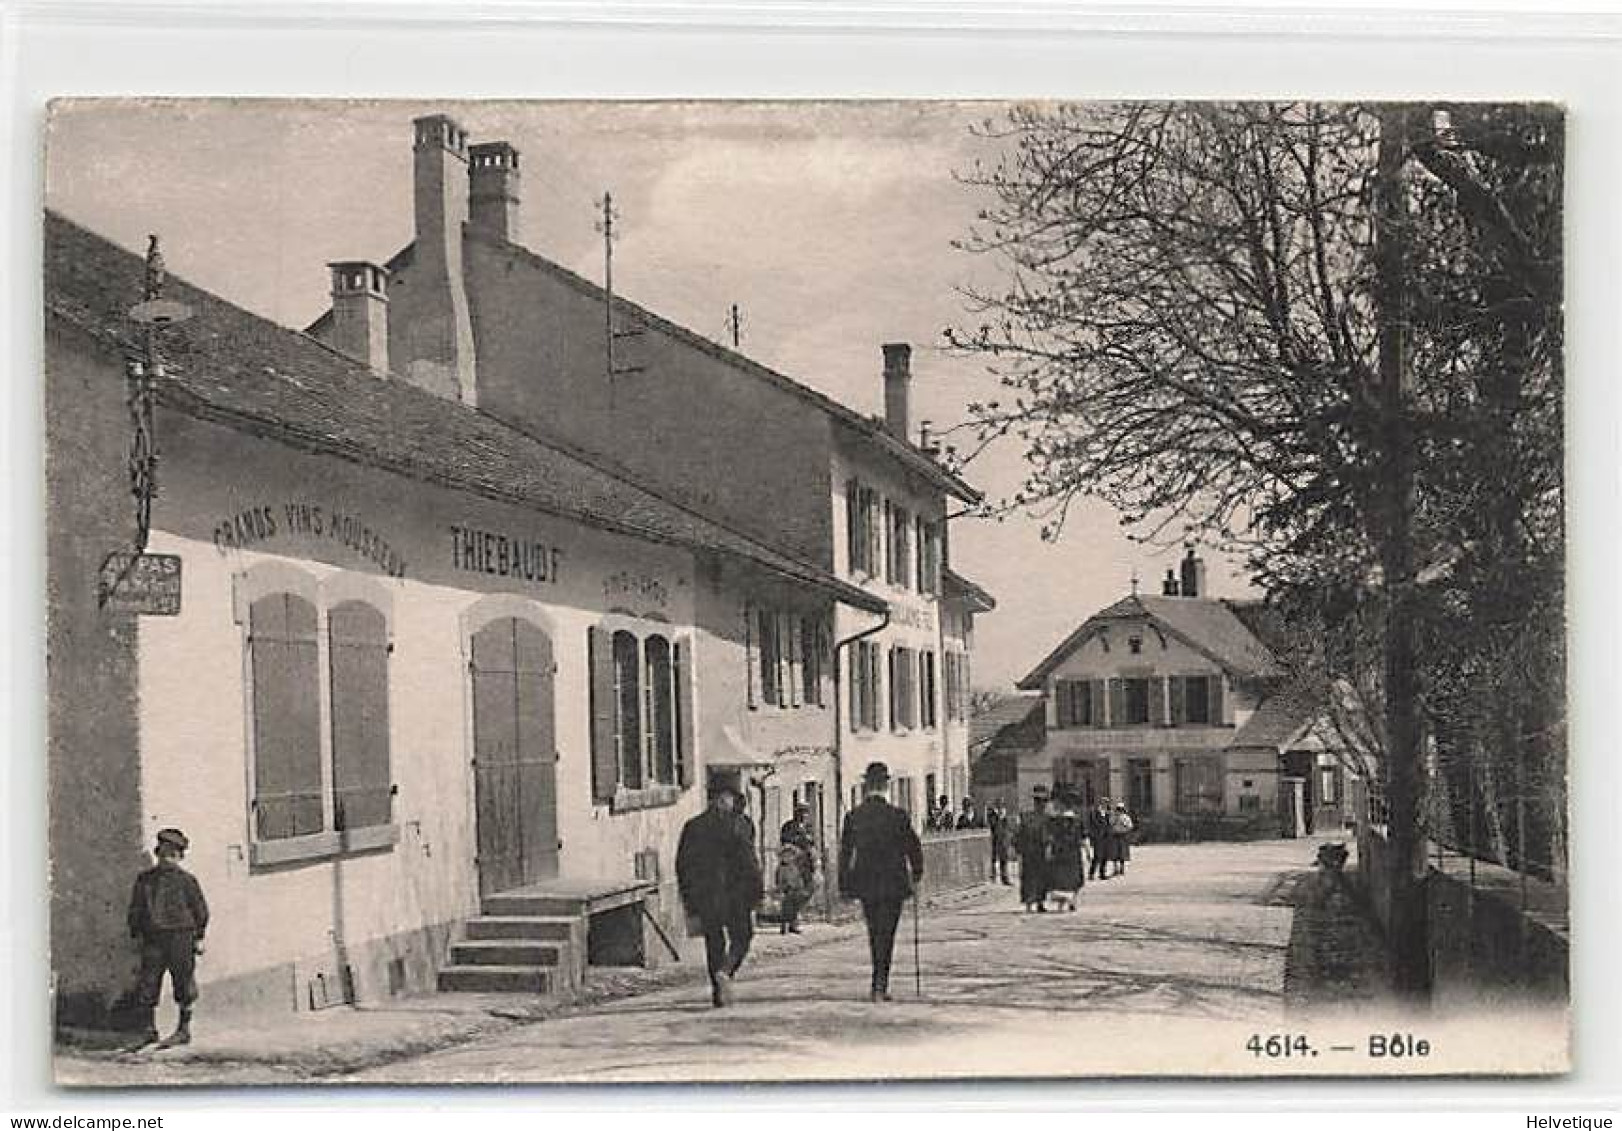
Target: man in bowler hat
{"points": [[880, 863], [168, 916], [720, 884]]}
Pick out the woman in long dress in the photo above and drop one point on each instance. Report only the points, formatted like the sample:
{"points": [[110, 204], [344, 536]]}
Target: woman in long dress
{"points": [[1066, 868]]}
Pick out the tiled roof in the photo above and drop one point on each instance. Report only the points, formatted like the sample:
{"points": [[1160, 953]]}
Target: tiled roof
{"points": [[230, 366], [1279, 719], [956, 585], [1206, 624], [1016, 720], [871, 428]]}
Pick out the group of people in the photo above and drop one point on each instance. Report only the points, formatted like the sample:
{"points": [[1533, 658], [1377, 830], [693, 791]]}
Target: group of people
{"points": [[942, 819], [880, 864], [1053, 847]]}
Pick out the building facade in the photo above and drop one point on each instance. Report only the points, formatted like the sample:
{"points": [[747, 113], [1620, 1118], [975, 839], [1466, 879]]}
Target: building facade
{"points": [[477, 317], [417, 661], [1174, 705]]}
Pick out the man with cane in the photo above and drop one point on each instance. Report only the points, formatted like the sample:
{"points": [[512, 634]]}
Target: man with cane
{"points": [[880, 863]]}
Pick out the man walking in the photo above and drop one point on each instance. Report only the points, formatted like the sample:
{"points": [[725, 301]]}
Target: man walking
{"points": [[880, 863], [720, 885], [1032, 841]]}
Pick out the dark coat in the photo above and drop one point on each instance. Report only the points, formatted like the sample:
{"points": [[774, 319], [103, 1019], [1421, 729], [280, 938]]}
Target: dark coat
{"points": [[1002, 834], [716, 868], [880, 858], [167, 899]]}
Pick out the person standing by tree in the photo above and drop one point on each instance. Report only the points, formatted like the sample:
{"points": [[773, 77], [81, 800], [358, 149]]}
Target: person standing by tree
{"points": [[720, 885], [880, 863]]}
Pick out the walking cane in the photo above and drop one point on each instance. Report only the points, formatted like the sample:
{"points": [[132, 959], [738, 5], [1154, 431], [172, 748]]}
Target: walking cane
{"points": [[917, 968]]}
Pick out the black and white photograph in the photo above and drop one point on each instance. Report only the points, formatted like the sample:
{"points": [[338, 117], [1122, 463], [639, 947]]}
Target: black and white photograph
{"points": [[545, 592]]}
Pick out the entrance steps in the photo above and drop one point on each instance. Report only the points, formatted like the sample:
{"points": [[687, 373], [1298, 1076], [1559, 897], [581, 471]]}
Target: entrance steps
{"points": [[535, 939]]}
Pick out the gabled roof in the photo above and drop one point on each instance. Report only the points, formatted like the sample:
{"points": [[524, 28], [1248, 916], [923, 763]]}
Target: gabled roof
{"points": [[1280, 719], [1008, 720], [872, 429], [958, 587], [235, 368], [1205, 624]]}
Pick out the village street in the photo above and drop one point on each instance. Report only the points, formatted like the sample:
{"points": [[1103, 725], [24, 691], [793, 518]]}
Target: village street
{"points": [[1189, 946]]}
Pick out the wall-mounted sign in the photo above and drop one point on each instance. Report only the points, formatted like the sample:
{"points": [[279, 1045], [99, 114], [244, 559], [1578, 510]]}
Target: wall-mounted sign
{"points": [[909, 616], [637, 587], [308, 521], [481, 551], [145, 584]]}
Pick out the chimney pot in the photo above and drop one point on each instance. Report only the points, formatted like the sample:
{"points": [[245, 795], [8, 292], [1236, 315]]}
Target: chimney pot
{"points": [[1168, 587], [1193, 574], [360, 312], [897, 388], [493, 188]]}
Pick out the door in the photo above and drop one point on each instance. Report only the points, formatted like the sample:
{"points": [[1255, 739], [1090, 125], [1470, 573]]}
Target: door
{"points": [[514, 756], [1140, 786]]}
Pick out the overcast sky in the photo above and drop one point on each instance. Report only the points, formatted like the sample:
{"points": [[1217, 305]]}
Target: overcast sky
{"points": [[830, 227]]}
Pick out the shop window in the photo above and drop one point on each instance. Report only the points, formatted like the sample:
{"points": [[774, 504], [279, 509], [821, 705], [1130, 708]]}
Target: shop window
{"points": [[285, 666], [642, 717]]}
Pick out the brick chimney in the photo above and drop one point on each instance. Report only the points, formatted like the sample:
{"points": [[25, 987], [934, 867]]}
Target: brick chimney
{"points": [[1193, 573], [1168, 587], [897, 388], [360, 312], [493, 189], [430, 331]]}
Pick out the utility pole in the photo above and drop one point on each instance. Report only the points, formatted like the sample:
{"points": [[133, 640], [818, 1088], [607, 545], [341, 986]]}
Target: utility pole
{"points": [[605, 225], [735, 325], [1410, 951]]}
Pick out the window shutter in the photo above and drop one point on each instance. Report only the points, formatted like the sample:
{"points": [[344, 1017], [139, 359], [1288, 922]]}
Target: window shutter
{"points": [[853, 525], [1179, 707], [895, 715], [1218, 718], [1162, 700], [604, 770], [1117, 702], [285, 669], [358, 668], [796, 663], [1095, 696], [686, 750]]}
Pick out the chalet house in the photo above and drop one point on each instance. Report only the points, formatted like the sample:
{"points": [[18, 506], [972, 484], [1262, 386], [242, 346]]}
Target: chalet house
{"points": [[1175, 705], [431, 697], [475, 317]]}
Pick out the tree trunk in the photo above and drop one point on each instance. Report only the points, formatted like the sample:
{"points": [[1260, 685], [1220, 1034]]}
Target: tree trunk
{"points": [[1410, 953]]}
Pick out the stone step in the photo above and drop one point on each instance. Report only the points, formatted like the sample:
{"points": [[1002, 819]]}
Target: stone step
{"points": [[554, 928], [507, 906], [495, 979], [505, 952]]}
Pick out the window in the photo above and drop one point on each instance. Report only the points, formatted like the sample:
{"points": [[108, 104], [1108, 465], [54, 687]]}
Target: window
{"points": [[1136, 698], [1140, 785], [1134, 644], [284, 659], [898, 564], [1196, 698], [1198, 785], [862, 531], [1074, 702], [812, 643], [321, 775], [929, 556], [642, 717], [771, 658], [928, 711], [628, 709], [1328, 785], [903, 798], [864, 686], [903, 689], [358, 665], [955, 675]]}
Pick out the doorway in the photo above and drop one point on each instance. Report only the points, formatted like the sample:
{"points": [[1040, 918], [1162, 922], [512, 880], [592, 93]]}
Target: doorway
{"points": [[514, 755]]}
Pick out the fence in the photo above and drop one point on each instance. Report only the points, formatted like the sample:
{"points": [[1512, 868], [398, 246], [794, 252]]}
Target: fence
{"points": [[1489, 928], [956, 860]]}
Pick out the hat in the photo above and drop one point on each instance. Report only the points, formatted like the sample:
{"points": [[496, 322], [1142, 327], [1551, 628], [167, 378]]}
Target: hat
{"points": [[877, 773], [174, 838], [724, 782]]}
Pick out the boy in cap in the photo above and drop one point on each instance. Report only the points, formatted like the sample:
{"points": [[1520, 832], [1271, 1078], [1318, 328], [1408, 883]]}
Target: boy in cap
{"points": [[168, 916]]}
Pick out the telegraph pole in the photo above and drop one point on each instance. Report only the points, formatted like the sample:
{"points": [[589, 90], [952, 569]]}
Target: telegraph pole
{"points": [[1410, 951], [605, 225], [735, 325]]}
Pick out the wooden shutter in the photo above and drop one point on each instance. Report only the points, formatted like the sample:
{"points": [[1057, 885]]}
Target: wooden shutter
{"points": [[750, 659], [1217, 716], [853, 525], [604, 769], [686, 750], [358, 670], [788, 694], [1117, 702], [1178, 705], [285, 664], [1095, 696], [1160, 705]]}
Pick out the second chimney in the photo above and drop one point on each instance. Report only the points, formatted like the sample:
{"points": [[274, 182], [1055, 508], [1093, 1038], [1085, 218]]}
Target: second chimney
{"points": [[1193, 574], [1168, 587], [897, 388], [360, 312], [492, 172]]}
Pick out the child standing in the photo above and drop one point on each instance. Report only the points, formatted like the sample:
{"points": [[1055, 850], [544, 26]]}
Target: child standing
{"points": [[168, 916]]}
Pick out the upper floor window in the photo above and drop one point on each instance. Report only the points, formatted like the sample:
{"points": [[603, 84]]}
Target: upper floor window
{"points": [[1195, 699], [929, 556], [1136, 701], [786, 655], [1074, 702], [862, 533], [899, 564], [903, 689], [927, 691], [864, 686]]}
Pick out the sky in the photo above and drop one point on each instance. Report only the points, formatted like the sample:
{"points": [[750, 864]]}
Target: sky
{"points": [[831, 225]]}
